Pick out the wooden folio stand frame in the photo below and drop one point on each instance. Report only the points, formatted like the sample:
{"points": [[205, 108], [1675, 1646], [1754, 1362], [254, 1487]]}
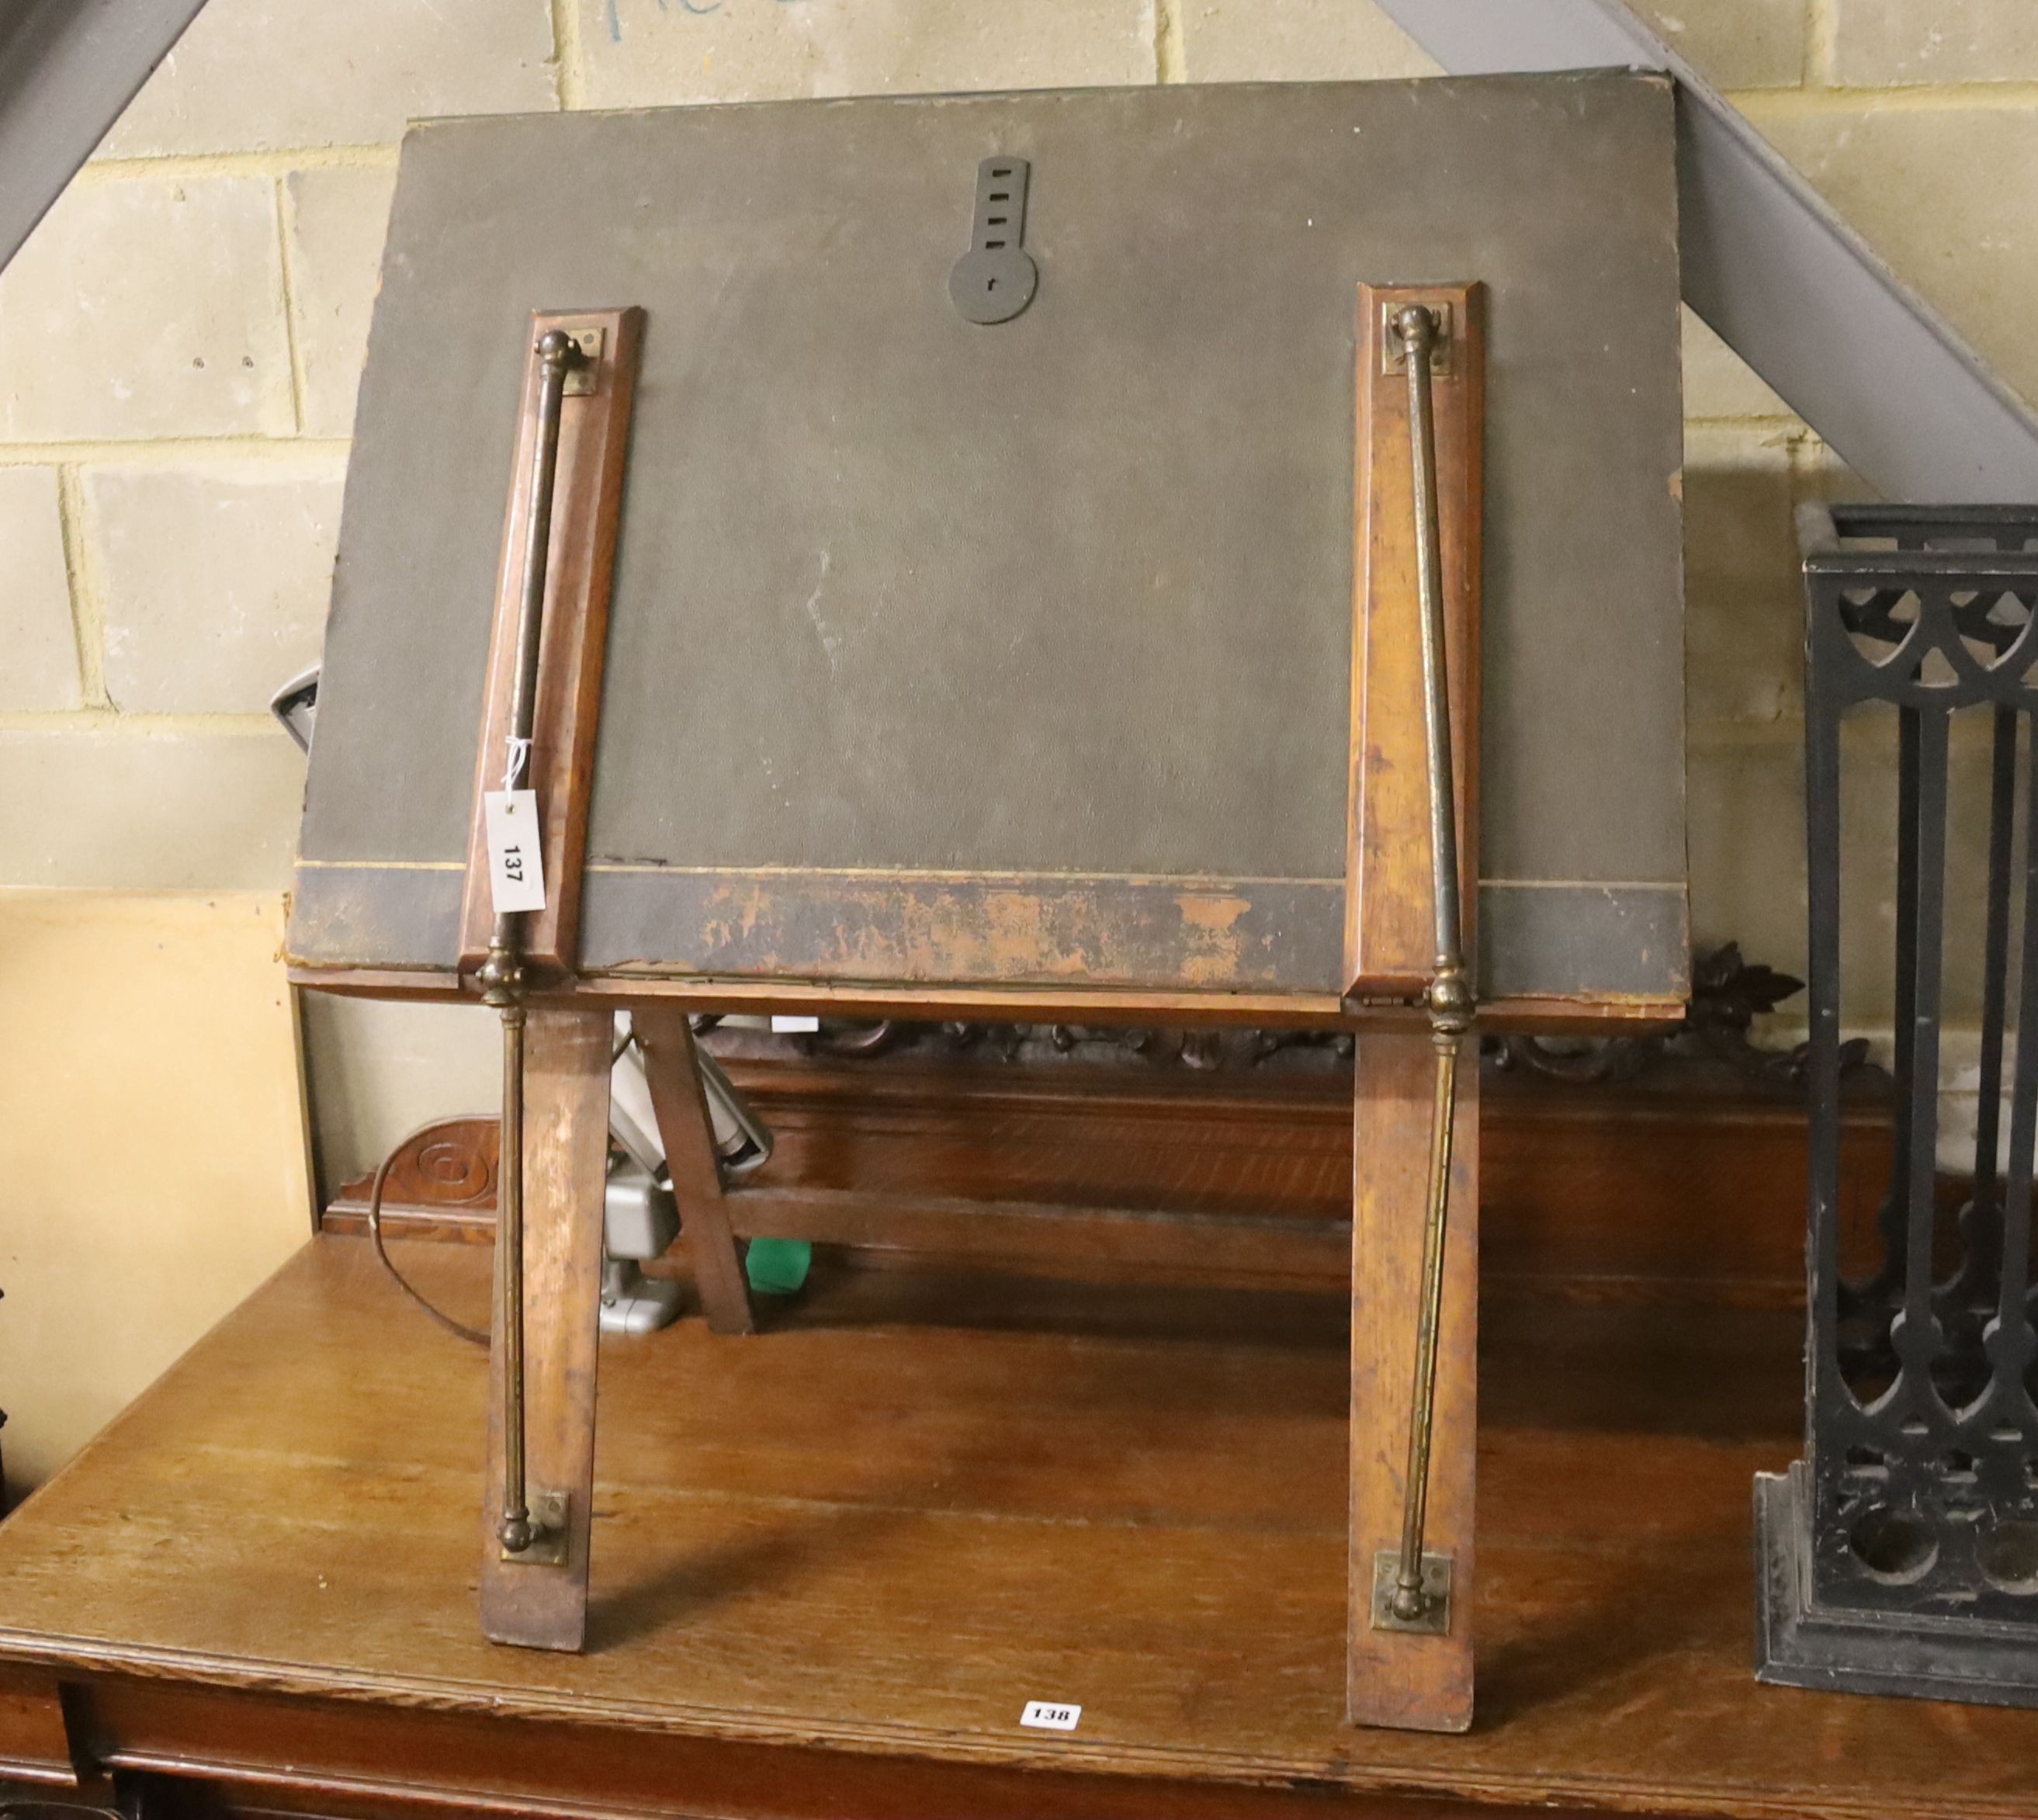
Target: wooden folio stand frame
{"points": [[1413, 1323]]}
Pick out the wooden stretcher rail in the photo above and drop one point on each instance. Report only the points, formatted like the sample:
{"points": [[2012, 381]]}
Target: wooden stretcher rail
{"points": [[1185, 1011], [566, 1168], [1012, 1233]]}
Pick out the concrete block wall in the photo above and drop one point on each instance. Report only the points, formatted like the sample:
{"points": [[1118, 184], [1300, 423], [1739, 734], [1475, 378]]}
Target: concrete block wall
{"points": [[180, 342]]}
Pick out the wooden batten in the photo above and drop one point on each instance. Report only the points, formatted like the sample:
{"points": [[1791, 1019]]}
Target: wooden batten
{"points": [[566, 1168], [1074, 1003], [672, 1069], [1398, 1677], [594, 430], [1390, 944]]}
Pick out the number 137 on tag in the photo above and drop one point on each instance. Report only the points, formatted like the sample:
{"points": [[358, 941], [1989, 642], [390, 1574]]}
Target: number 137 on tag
{"points": [[516, 869]]}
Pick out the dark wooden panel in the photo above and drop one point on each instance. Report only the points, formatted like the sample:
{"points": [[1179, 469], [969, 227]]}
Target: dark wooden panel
{"points": [[35, 1741], [1687, 1186]]}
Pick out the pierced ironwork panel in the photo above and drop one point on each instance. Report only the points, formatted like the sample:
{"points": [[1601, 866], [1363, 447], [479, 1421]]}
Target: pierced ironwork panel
{"points": [[1922, 1463]]}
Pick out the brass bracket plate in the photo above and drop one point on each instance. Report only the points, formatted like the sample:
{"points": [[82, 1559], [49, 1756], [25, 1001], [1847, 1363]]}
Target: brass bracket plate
{"points": [[548, 1518], [1393, 358], [1435, 1619], [583, 381]]}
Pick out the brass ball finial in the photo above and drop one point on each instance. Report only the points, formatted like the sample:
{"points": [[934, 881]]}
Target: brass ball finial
{"points": [[1416, 324], [1452, 1001]]}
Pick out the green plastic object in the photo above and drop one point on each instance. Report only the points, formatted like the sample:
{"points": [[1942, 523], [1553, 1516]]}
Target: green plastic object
{"points": [[778, 1266]]}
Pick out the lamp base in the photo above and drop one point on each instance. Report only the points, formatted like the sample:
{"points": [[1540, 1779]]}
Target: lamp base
{"points": [[632, 1302]]}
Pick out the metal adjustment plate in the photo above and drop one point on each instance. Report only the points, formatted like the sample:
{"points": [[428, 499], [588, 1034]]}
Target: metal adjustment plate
{"points": [[1393, 356], [548, 1517], [583, 381], [1435, 1619], [997, 277]]}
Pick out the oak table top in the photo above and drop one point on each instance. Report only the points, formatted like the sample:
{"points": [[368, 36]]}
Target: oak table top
{"points": [[876, 1530]]}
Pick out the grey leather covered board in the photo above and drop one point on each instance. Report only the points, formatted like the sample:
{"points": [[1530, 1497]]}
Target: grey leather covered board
{"points": [[943, 652]]}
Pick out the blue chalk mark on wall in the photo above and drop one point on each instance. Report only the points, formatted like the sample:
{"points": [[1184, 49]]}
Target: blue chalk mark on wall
{"points": [[697, 8]]}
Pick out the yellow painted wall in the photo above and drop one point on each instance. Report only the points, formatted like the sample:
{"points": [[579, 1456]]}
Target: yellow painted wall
{"points": [[152, 1158]]}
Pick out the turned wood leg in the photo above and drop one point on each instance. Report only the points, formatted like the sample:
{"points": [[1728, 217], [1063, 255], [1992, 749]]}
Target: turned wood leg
{"points": [[1401, 1678], [543, 1603], [667, 1040]]}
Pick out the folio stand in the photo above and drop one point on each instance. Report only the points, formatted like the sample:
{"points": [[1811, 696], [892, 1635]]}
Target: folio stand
{"points": [[1410, 862], [1900, 1555]]}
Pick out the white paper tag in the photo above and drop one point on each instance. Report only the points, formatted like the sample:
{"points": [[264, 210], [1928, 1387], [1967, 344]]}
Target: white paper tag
{"points": [[516, 870], [1050, 1715], [794, 1026]]}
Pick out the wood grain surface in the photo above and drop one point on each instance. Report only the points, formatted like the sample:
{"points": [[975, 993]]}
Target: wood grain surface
{"points": [[566, 1167], [35, 1745], [1075, 1003], [673, 1069], [594, 437], [841, 1558], [1390, 944], [1685, 1187], [1396, 1678]]}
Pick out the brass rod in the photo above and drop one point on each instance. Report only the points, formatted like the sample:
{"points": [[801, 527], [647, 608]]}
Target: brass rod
{"points": [[1450, 997], [556, 352], [1409, 1598], [515, 1526], [1417, 327], [502, 974]]}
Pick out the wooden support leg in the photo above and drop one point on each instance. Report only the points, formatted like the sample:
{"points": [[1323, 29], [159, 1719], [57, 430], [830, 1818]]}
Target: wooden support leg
{"points": [[543, 1604], [1401, 1678], [667, 1040]]}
